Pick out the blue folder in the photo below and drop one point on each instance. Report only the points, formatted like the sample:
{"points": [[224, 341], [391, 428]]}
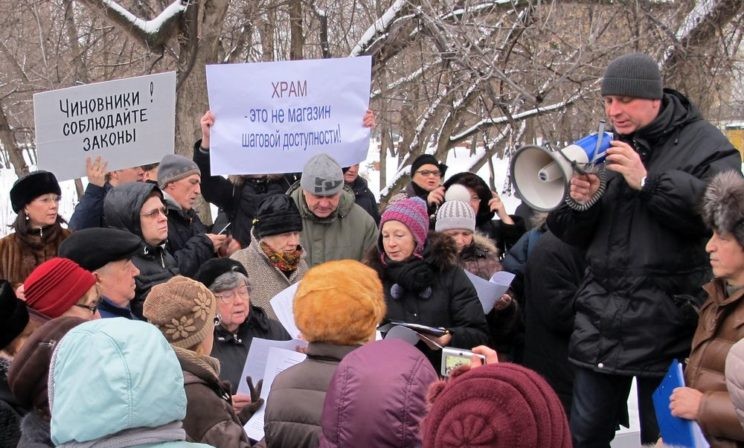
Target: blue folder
{"points": [[675, 431]]}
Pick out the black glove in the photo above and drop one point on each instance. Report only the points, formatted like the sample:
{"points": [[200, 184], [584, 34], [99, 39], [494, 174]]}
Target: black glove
{"points": [[256, 401]]}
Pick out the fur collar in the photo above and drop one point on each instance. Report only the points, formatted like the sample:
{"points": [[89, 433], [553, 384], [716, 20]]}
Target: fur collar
{"points": [[484, 243], [440, 252]]}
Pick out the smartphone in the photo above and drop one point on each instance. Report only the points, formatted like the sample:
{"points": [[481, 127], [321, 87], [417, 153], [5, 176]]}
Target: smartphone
{"points": [[224, 228], [453, 358]]}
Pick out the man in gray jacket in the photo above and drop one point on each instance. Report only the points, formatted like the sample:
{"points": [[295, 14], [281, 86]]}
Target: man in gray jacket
{"points": [[334, 226]]}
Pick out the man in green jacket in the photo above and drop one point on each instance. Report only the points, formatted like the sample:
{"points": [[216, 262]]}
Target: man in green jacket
{"points": [[334, 226]]}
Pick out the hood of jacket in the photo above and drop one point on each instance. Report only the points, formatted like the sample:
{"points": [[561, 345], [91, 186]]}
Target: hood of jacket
{"points": [[124, 372], [676, 112], [345, 204], [121, 208], [378, 395], [484, 194]]}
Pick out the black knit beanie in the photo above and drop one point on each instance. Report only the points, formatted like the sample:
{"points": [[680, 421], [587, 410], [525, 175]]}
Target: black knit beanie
{"points": [[427, 159], [635, 75], [277, 214]]}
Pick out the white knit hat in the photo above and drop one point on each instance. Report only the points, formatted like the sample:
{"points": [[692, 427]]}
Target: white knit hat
{"points": [[455, 215], [457, 192]]}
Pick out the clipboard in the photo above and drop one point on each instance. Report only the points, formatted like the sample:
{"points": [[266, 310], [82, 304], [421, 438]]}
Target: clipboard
{"points": [[675, 431]]}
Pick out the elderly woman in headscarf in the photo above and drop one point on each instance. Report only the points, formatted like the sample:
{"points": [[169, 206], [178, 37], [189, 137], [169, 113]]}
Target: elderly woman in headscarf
{"points": [[37, 228], [422, 281]]}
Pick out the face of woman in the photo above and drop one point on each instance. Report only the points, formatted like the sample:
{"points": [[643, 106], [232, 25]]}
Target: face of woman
{"points": [[463, 238], [87, 306], [474, 200], [397, 240], [42, 211], [283, 242], [233, 306], [427, 177]]}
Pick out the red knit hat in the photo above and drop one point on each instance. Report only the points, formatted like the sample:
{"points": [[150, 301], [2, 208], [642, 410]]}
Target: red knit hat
{"points": [[56, 285], [498, 405]]}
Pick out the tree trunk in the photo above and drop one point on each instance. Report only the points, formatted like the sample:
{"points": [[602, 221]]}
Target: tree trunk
{"points": [[9, 142]]}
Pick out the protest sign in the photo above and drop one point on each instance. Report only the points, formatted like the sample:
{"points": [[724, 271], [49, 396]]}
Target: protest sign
{"points": [[272, 117], [128, 122]]}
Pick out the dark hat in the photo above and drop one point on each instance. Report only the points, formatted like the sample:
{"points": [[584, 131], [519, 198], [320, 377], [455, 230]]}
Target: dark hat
{"points": [[427, 159], [13, 315], [95, 247], [28, 373], [31, 186], [214, 267], [635, 75], [174, 167], [322, 176], [277, 214], [56, 285], [723, 205], [497, 405]]}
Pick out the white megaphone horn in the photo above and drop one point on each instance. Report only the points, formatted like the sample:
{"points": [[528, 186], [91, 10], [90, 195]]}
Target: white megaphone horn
{"points": [[541, 177]]}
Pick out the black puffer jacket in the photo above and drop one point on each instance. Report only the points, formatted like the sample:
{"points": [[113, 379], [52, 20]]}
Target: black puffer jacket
{"points": [[239, 202], [156, 265], [452, 302], [187, 239], [365, 199], [635, 310]]}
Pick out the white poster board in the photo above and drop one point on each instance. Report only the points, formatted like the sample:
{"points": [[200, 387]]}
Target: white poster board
{"points": [[129, 122], [271, 117]]}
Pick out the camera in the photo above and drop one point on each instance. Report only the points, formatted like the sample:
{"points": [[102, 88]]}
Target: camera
{"points": [[453, 358]]}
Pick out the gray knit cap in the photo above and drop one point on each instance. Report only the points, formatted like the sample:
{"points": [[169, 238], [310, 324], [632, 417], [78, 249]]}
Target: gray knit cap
{"points": [[455, 215], [635, 75], [174, 167], [322, 176]]}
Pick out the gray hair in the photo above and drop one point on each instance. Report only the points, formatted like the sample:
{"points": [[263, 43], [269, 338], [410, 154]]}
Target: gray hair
{"points": [[230, 280]]}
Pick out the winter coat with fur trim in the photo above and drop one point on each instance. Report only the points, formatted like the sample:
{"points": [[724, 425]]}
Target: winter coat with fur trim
{"points": [[635, 310], [19, 256], [452, 303], [735, 378], [238, 198], [295, 404], [156, 265], [231, 349], [210, 418], [187, 239], [721, 324], [346, 234], [266, 279]]}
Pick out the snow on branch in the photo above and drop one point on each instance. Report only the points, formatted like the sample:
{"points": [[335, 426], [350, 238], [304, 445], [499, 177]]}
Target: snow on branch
{"points": [[379, 28], [150, 33]]}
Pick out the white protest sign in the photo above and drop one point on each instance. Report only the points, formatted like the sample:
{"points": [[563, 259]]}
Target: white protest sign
{"points": [[272, 117], [128, 122]]}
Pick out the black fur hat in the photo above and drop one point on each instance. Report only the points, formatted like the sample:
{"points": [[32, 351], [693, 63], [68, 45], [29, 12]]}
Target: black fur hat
{"points": [[723, 205], [277, 214], [31, 186]]}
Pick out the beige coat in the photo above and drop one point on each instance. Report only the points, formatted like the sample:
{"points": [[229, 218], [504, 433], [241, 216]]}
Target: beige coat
{"points": [[735, 378], [266, 279]]}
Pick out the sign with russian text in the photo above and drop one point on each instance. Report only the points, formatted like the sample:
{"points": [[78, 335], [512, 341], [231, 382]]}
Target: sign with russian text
{"points": [[271, 117], [128, 122]]}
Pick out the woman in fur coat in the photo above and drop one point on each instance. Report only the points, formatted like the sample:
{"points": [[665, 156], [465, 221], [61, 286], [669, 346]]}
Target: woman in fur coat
{"points": [[422, 281], [37, 228]]}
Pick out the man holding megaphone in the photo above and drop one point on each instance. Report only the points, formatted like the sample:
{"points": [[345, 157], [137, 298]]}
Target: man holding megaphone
{"points": [[645, 246]]}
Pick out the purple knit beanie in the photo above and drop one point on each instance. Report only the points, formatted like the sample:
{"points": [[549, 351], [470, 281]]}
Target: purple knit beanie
{"points": [[413, 214]]}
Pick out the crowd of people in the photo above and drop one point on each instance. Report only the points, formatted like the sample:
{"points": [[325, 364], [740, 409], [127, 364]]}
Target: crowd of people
{"points": [[131, 324]]}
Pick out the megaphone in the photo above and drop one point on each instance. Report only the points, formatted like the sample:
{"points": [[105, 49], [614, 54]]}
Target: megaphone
{"points": [[541, 177]]}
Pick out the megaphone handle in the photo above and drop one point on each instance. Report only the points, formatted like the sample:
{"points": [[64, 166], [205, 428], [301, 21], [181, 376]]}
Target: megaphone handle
{"points": [[579, 207], [600, 138]]}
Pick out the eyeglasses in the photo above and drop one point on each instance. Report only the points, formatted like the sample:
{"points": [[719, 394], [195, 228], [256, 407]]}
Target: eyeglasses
{"points": [[226, 296], [217, 320], [427, 173], [154, 213], [91, 308]]}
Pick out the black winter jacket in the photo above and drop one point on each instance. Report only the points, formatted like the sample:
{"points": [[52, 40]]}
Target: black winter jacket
{"points": [[635, 310], [231, 349], [187, 239], [553, 274], [156, 265], [365, 199], [239, 202], [452, 303], [89, 211]]}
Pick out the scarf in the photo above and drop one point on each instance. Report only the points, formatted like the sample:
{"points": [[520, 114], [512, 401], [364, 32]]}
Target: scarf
{"points": [[286, 262]]}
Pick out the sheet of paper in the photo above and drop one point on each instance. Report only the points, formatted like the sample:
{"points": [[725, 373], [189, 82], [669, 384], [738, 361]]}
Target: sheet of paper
{"points": [[502, 278], [488, 292], [403, 333], [258, 355], [282, 306], [279, 360]]}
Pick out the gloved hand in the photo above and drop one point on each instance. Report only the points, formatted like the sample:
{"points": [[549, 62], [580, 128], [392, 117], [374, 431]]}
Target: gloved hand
{"points": [[256, 401]]}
